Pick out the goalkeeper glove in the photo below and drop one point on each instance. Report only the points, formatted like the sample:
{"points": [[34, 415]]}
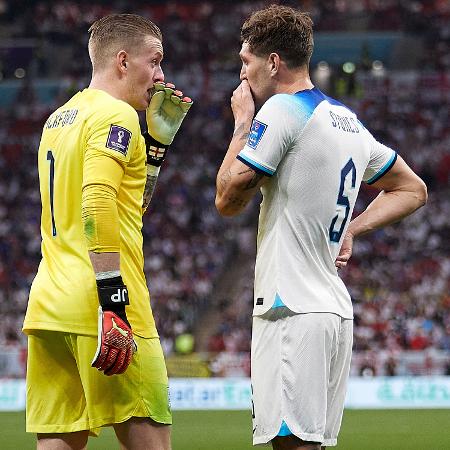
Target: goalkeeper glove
{"points": [[164, 115], [115, 338]]}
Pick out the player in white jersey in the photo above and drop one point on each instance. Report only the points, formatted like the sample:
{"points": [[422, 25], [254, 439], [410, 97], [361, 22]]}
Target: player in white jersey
{"points": [[309, 154]]}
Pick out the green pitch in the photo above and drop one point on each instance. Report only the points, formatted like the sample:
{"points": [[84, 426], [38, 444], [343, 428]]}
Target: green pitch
{"points": [[231, 430]]}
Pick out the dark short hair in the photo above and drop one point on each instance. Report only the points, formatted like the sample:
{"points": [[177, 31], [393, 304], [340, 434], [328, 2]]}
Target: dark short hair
{"points": [[283, 30], [115, 32]]}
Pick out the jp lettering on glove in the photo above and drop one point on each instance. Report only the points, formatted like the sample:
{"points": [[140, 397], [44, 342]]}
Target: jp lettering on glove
{"points": [[165, 113], [115, 337]]}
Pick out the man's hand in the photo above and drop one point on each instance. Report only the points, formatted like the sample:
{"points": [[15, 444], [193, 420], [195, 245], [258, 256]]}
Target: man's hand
{"points": [[242, 104], [167, 109], [346, 250], [115, 343], [115, 338]]}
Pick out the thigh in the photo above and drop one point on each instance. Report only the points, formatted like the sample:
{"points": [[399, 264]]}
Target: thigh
{"points": [[339, 372], [291, 363], [55, 397], [310, 341], [266, 379], [142, 391], [63, 441]]}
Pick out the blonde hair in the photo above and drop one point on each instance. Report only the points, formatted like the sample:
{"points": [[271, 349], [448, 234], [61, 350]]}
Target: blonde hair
{"points": [[116, 32]]}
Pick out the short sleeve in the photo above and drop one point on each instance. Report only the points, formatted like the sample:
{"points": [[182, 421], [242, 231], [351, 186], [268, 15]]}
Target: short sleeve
{"points": [[382, 158], [272, 133]]}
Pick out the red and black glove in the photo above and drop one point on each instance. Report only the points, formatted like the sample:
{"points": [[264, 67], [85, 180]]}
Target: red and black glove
{"points": [[115, 338]]}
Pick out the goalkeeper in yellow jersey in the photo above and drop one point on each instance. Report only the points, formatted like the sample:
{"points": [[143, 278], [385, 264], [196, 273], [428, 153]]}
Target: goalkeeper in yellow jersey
{"points": [[94, 356]]}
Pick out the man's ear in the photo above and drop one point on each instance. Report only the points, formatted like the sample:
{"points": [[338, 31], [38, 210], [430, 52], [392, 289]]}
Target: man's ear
{"points": [[122, 61], [274, 63]]}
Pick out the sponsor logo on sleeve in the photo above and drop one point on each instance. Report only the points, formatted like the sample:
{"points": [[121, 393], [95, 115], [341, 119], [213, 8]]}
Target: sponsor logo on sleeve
{"points": [[256, 133], [118, 139]]}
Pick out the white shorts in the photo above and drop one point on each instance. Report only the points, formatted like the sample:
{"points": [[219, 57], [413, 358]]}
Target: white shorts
{"points": [[300, 367]]}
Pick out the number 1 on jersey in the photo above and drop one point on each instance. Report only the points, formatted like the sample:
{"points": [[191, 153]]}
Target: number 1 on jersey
{"points": [[51, 159], [342, 200]]}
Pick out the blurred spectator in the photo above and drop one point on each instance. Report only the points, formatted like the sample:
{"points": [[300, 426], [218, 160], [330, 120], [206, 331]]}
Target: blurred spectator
{"points": [[399, 277]]}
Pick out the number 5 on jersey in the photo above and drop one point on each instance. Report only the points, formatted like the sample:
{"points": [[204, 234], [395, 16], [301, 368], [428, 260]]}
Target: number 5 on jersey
{"points": [[342, 200]]}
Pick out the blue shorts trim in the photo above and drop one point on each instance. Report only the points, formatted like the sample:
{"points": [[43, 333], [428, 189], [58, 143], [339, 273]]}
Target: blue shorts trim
{"points": [[284, 430], [278, 303]]}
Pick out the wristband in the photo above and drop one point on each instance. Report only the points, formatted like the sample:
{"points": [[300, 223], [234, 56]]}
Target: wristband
{"points": [[156, 152], [108, 274]]}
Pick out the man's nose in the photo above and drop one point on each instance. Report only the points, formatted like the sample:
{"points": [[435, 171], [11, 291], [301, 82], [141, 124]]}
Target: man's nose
{"points": [[158, 75], [242, 75]]}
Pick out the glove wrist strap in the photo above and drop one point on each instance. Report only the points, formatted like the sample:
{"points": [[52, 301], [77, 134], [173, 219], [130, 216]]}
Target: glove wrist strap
{"points": [[112, 294], [156, 152]]}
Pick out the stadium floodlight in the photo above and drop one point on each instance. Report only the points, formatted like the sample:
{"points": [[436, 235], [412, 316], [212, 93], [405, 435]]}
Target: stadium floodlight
{"points": [[19, 72], [377, 65], [323, 66], [378, 68], [321, 75], [348, 67]]}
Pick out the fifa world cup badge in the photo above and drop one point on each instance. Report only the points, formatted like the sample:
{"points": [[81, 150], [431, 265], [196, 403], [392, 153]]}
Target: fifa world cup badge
{"points": [[118, 139], [256, 133]]}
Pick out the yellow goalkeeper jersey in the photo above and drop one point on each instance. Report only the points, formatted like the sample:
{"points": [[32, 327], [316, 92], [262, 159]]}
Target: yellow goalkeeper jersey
{"points": [[63, 295]]}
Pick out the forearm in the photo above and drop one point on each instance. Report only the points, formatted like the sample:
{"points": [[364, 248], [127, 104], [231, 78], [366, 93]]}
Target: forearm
{"points": [[234, 197], [385, 209], [107, 264], [237, 183], [237, 143], [150, 184]]}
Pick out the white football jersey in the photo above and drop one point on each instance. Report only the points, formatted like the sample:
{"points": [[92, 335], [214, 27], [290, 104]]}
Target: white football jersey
{"points": [[316, 153]]}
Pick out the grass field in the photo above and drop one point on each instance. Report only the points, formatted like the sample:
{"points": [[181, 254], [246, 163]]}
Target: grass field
{"points": [[231, 430]]}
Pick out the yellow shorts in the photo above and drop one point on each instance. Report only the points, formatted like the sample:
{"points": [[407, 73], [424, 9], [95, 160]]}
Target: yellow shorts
{"points": [[66, 394]]}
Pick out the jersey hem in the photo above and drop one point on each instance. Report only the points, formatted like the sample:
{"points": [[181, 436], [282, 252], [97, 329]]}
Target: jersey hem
{"points": [[104, 249], [109, 421], [295, 311], [94, 425], [69, 428], [266, 438], [75, 329]]}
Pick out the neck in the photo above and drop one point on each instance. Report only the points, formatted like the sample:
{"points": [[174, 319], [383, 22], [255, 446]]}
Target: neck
{"points": [[293, 81], [104, 82]]}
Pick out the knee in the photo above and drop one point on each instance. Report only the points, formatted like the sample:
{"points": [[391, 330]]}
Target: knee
{"points": [[294, 443]]}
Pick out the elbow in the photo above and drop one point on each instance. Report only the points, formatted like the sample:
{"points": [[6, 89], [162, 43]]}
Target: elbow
{"points": [[422, 194], [224, 208], [219, 206]]}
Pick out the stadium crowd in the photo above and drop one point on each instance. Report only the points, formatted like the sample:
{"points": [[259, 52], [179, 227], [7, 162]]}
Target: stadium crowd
{"points": [[399, 278]]}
